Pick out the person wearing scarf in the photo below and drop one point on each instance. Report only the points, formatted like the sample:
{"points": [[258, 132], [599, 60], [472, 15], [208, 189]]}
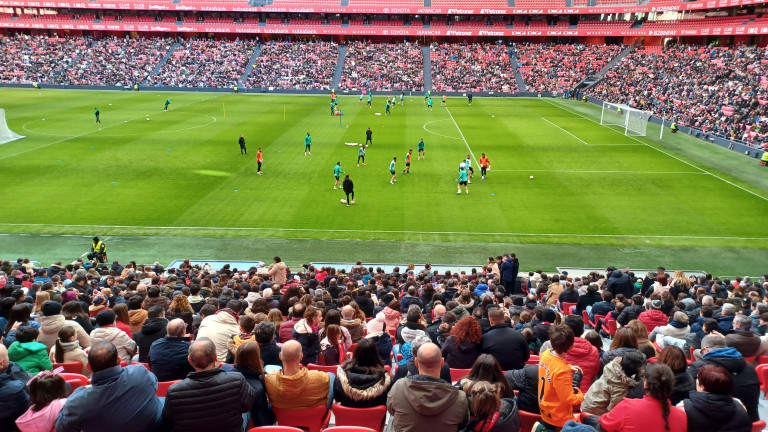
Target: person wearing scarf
{"points": [[675, 331]]}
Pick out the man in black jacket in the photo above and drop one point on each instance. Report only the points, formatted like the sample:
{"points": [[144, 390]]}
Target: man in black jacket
{"points": [[632, 312], [619, 283], [507, 345], [509, 269], [154, 328], [167, 356], [188, 403]]}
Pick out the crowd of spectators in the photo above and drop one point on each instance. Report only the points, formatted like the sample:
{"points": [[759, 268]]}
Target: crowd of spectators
{"points": [[559, 67], [720, 90], [28, 59], [475, 67], [383, 67], [114, 61], [295, 66], [232, 342], [206, 63]]}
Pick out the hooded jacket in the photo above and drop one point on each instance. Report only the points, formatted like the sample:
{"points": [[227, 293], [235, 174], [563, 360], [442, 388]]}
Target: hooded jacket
{"points": [[684, 385], [525, 381], [421, 402], [508, 420], [276, 272], [219, 328], [608, 356], [507, 345], [309, 340], [586, 356], [619, 283], [30, 356], [306, 389], [461, 356], [286, 329], [355, 388], [152, 330], [671, 331], [708, 412], [746, 385], [137, 317], [355, 329], [126, 347], [629, 313], [391, 318], [72, 353], [14, 399], [609, 390], [408, 332], [49, 331], [43, 420], [652, 318]]}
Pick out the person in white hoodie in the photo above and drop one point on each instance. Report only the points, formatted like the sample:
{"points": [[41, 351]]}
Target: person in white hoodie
{"points": [[220, 328], [52, 321], [672, 333], [107, 331]]}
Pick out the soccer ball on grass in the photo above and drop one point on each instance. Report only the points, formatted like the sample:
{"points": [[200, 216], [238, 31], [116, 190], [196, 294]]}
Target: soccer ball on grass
{"points": [[343, 201]]}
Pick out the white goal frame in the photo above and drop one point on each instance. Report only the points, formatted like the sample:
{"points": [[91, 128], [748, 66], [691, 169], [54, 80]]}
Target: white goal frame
{"points": [[6, 135], [633, 121]]}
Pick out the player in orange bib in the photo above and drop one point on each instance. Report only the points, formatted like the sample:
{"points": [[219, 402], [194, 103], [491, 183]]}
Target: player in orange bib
{"points": [[259, 160], [407, 169], [484, 164]]}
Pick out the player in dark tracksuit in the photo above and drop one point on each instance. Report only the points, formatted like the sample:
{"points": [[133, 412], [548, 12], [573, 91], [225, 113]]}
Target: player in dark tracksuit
{"points": [[369, 136], [241, 141]]}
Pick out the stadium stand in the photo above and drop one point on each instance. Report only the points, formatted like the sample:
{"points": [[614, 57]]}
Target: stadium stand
{"points": [[205, 63], [247, 312], [717, 90], [295, 66], [27, 59], [556, 67], [383, 67], [471, 67]]}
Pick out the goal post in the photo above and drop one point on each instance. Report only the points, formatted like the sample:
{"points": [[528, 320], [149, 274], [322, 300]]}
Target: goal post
{"points": [[6, 135], [633, 121]]}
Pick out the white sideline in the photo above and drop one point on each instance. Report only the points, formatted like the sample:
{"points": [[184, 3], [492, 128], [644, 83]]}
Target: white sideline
{"points": [[582, 141], [91, 227], [661, 151], [602, 172], [95, 130]]}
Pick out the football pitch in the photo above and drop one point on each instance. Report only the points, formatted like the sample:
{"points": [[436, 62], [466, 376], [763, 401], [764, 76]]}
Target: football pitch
{"points": [[176, 185]]}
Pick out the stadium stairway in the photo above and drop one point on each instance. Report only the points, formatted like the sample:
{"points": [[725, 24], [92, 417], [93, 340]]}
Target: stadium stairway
{"points": [[594, 79], [516, 69], [162, 62], [339, 67], [249, 68], [425, 52]]}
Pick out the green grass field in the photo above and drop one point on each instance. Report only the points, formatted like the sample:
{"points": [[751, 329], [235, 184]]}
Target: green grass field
{"points": [[176, 186]]}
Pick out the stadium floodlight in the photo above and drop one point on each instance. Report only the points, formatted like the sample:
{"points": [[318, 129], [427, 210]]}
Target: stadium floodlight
{"points": [[6, 135], [633, 121]]}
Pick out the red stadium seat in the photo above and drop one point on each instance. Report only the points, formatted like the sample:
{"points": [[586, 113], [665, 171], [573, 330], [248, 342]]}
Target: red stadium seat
{"points": [[162, 387], [750, 360], [70, 367], [372, 418], [457, 374], [532, 360], [611, 327], [349, 429], [75, 381], [762, 375], [758, 426], [275, 429], [312, 419], [762, 360], [567, 308], [527, 420]]}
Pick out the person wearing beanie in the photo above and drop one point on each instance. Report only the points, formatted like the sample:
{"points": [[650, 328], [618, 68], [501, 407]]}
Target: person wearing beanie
{"points": [[126, 347], [377, 332], [52, 321], [653, 316]]}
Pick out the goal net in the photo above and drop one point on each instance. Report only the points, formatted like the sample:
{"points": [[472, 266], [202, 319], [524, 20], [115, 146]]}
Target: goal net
{"points": [[633, 121], [6, 135]]}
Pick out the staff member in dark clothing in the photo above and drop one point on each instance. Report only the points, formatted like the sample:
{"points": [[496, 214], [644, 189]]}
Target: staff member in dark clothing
{"points": [[98, 250], [241, 141], [369, 136], [349, 189]]}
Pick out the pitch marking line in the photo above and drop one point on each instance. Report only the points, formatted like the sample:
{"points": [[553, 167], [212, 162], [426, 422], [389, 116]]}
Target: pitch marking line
{"points": [[462, 137], [91, 227], [582, 141], [605, 172], [438, 134], [95, 130], [662, 151]]}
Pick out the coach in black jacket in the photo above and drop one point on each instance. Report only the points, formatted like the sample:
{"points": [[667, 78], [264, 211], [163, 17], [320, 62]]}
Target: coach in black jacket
{"points": [[619, 283], [208, 399], [507, 345]]}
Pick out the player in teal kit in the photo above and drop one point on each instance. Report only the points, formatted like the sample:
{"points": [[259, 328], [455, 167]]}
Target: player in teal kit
{"points": [[393, 170], [401, 98], [420, 148], [462, 180], [337, 172], [370, 99], [307, 145]]}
